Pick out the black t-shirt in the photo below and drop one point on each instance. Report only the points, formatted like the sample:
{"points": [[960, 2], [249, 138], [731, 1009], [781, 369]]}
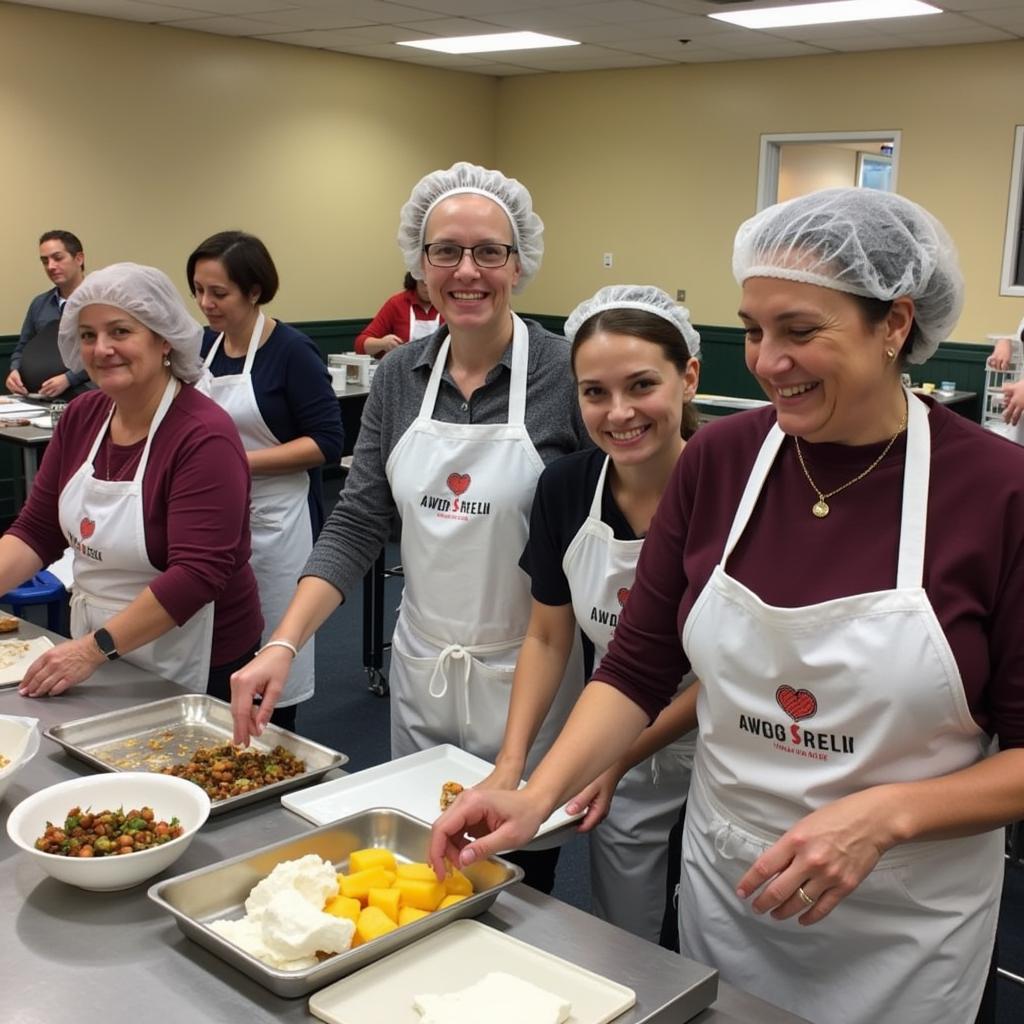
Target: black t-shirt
{"points": [[560, 506]]}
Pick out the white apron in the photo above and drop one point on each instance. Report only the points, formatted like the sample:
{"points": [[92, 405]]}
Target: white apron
{"points": [[799, 707], [421, 328], [104, 525], [464, 493], [282, 534], [629, 849]]}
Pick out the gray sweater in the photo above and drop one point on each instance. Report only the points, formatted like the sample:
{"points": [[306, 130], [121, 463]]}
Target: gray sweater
{"points": [[359, 526]]}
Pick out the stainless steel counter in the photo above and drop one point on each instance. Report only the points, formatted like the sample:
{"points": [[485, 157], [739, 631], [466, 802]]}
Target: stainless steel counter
{"points": [[69, 955]]}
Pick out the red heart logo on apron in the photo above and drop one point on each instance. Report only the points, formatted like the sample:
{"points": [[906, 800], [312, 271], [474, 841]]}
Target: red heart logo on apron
{"points": [[87, 528], [458, 483], [797, 704], [622, 594]]}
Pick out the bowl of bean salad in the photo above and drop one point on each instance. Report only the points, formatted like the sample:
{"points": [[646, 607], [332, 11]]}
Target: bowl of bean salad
{"points": [[109, 832]]}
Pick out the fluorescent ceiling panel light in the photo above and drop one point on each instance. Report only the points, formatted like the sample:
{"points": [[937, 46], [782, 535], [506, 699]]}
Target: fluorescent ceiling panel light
{"points": [[493, 42], [827, 13]]}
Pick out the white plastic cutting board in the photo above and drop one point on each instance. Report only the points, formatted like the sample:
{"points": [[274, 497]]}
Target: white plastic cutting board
{"points": [[12, 674], [411, 784], [454, 958]]}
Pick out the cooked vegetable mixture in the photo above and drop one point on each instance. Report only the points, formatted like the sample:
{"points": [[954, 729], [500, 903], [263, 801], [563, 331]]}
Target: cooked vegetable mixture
{"points": [[230, 771], [107, 833]]}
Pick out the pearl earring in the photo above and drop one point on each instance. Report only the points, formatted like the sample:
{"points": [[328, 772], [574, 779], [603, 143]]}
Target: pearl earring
{"points": [[891, 353], [167, 359]]}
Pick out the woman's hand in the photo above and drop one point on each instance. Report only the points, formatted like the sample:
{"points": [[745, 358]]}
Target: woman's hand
{"points": [[15, 384], [61, 667], [825, 856], [596, 799], [504, 776], [263, 677], [380, 347], [1002, 354], [505, 821], [1013, 402]]}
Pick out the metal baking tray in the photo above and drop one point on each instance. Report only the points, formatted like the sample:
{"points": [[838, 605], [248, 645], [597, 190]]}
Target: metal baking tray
{"points": [[211, 893], [149, 737]]}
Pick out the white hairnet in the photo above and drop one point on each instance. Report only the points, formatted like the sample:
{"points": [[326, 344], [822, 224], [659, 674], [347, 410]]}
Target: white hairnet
{"points": [[146, 294], [862, 241], [462, 178], [636, 296]]}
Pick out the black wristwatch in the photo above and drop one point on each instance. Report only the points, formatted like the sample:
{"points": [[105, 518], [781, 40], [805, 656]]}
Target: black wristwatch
{"points": [[105, 642]]}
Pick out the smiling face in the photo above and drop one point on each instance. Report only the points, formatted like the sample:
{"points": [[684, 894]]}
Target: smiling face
{"points": [[120, 353], [226, 307], [631, 396], [471, 298], [63, 269], [827, 371]]}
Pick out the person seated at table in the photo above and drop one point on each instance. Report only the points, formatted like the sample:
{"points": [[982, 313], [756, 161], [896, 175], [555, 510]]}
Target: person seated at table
{"points": [[271, 380], [35, 362], [406, 316], [146, 480]]}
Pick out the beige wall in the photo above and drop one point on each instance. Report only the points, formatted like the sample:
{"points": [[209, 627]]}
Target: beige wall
{"points": [[144, 140], [659, 166], [804, 167]]}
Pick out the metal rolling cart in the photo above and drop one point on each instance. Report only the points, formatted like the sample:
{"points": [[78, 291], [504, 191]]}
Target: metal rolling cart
{"points": [[374, 644], [992, 406]]}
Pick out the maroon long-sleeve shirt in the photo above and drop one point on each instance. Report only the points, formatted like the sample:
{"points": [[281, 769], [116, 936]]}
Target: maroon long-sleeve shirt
{"points": [[974, 553], [195, 500]]}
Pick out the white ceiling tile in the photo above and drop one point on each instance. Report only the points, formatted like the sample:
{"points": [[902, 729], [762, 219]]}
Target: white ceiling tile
{"points": [[124, 10], [1010, 19], [623, 11], [233, 7], [974, 5], [222, 26], [859, 44], [455, 27]]}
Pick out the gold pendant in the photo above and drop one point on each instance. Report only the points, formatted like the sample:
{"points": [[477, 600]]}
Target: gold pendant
{"points": [[820, 509]]}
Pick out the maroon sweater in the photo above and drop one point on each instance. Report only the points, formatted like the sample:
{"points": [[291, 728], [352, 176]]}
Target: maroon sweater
{"points": [[195, 500], [974, 553]]}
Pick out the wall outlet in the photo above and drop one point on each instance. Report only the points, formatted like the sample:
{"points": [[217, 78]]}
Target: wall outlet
{"points": [[606, 260], [680, 295]]}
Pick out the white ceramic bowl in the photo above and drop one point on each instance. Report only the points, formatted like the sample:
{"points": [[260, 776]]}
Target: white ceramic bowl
{"points": [[169, 797], [19, 741]]}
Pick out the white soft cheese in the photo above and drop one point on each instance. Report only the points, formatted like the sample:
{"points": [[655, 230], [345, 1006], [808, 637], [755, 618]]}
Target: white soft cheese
{"points": [[310, 876], [498, 998], [292, 928], [285, 924]]}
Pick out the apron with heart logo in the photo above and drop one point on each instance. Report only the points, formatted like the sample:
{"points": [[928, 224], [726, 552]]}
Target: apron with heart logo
{"points": [[629, 849], [464, 493], [105, 527], [279, 523], [799, 707]]}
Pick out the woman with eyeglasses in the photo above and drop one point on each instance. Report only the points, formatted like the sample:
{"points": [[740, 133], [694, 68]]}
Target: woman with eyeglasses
{"points": [[456, 431]]}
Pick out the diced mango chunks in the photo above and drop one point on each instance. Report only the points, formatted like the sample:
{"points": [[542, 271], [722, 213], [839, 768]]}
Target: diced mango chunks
{"points": [[344, 906], [388, 901], [358, 885], [424, 872], [373, 857], [420, 893], [406, 915], [457, 884], [373, 923], [450, 901]]}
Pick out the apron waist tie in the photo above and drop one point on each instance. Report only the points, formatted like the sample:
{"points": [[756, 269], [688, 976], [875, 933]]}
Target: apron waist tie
{"points": [[450, 653]]}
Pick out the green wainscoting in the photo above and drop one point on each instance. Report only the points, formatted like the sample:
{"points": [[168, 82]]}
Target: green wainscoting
{"points": [[723, 372]]}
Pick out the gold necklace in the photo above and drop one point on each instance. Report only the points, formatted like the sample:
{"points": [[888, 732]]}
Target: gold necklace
{"points": [[820, 508]]}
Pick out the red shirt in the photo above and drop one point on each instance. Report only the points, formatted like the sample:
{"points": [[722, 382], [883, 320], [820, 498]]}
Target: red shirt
{"points": [[195, 502], [974, 553], [393, 318]]}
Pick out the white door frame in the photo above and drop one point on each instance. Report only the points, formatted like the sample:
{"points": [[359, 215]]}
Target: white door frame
{"points": [[771, 145]]}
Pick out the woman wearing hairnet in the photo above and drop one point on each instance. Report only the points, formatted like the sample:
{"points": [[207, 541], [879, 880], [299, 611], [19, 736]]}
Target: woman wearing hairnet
{"points": [[634, 357], [856, 637], [455, 433], [146, 480]]}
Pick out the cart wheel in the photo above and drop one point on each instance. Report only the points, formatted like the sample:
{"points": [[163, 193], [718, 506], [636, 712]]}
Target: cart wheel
{"points": [[378, 682]]}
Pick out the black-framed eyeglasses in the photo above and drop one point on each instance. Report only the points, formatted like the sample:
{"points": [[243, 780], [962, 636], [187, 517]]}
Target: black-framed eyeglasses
{"points": [[487, 255]]}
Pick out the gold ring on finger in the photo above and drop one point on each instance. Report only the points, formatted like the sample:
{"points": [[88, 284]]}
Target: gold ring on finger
{"points": [[808, 900]]}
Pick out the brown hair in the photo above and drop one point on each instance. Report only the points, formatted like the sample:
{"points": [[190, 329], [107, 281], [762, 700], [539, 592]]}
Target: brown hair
{"points": [[639, 323], [244, 257], [874, 311]]}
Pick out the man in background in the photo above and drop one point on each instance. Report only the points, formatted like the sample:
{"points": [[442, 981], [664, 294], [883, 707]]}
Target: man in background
{"points": [[35, 362]]}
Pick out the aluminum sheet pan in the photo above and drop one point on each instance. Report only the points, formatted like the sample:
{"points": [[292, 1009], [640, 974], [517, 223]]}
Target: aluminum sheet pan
{"points": [[218, 891], [152, 736]]}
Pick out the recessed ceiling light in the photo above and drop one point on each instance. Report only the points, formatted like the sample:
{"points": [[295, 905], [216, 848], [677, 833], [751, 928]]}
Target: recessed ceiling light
{"points": [[827, 13], [491, 43]]}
